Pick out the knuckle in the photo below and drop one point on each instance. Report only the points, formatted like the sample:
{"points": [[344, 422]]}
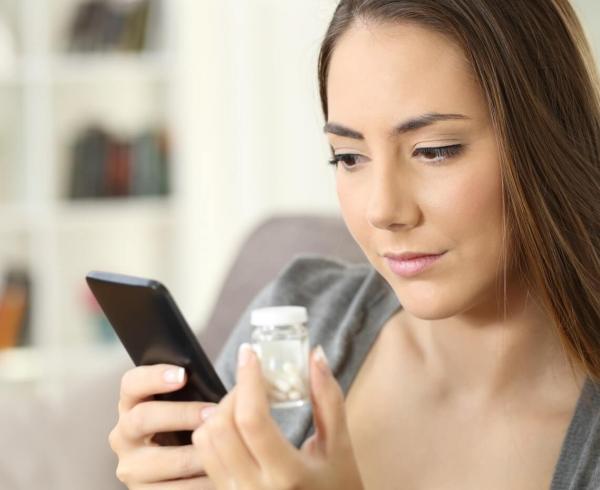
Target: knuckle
{"points": [[127, 379], [217, 424], [249, 422], [123, 473], [137, 420], [198, 437], [114, 439]]}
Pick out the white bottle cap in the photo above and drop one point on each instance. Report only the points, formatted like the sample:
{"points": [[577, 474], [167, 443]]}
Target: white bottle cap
{"points": [[278, 315]]}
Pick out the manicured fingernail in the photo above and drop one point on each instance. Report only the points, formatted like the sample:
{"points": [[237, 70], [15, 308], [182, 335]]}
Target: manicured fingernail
{"points": [[244, 354], [174, 375], [207, 412], [321, 360]]}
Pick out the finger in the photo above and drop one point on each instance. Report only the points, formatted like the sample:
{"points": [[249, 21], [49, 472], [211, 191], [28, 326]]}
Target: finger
{"points": [[200, 483], [210, 459], [153, 464], [252, 416], [140, 383], [148, 418], [229, 445], [328, 401]]}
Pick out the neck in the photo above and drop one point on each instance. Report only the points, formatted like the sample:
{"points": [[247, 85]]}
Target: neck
{"points": [[490, 352]]}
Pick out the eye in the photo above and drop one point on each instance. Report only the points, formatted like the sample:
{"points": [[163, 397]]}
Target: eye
{"points": [[438, 154], [348, 160]]}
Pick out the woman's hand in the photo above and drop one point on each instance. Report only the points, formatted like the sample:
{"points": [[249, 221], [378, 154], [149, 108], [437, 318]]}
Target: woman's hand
{"points": [[142, 463], [242, 447]]}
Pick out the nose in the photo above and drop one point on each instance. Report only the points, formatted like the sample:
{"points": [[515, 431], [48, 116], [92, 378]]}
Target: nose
{"points": [[391, 203]]}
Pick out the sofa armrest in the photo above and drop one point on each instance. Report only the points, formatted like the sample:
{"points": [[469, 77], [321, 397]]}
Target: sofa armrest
{"points": [[62, 445]]}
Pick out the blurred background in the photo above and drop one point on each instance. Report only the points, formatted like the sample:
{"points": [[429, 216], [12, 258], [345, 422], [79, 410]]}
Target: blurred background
{"points": [[147, 137]]}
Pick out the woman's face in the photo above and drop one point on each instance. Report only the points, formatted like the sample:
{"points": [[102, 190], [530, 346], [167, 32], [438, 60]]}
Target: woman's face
{"points": [[433, 185]]}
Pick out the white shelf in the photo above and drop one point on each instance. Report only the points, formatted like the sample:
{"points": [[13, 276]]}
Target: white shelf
{"points": [[86, 213], [72, 68], [26, 365], [142, 211], [52, 96], [108, 67], [21, 364], [14, 218]]}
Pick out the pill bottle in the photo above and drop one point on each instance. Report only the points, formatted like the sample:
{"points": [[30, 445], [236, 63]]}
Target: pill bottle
{"points": [[280, 340]]}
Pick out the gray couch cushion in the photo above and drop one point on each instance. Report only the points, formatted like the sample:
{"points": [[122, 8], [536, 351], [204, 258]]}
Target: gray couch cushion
{"points": [[265, 252]]}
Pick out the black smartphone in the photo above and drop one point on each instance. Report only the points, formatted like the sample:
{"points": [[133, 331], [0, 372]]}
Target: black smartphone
{"points": [[153, 331]]}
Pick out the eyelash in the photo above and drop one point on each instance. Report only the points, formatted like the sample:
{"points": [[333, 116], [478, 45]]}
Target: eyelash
{"points": [[440, 153]]}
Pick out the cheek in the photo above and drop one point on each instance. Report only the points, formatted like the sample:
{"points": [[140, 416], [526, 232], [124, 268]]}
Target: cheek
{"points": [[467, 210], [473, 212]]}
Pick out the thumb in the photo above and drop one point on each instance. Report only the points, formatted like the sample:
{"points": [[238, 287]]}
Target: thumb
{"points": [[327, 401]]}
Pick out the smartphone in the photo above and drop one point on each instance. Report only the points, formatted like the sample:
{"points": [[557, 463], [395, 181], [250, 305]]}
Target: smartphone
{"points": [[153, 331]]}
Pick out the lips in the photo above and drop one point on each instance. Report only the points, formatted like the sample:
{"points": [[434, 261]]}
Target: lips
{"points": [[409, 255], [410, 264]]}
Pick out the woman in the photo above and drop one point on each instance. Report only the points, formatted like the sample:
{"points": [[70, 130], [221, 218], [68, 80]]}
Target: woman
{"points": [[466, 132]]}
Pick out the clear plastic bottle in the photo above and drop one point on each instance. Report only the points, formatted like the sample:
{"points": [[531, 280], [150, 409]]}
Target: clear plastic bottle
{"points": [[280, 339]]}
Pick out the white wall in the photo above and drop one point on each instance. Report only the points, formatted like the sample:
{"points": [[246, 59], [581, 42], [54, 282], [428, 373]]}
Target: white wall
{"points": [[589, 13], [251, 125]]}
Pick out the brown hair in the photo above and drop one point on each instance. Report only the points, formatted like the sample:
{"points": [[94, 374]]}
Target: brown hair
{"points": [[534, 65]]}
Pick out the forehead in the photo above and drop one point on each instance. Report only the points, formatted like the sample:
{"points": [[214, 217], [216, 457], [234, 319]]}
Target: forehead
{"points": [[391, 71]]}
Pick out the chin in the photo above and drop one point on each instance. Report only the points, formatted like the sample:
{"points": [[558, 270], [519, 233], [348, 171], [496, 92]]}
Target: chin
{"points": [[427, 310], [425, 299], [428, 301]]}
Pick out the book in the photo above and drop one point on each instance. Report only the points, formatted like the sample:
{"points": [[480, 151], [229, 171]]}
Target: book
{"points": [[100, 25], [108, 165], [149, 164], [14, 310], [118, 168]]}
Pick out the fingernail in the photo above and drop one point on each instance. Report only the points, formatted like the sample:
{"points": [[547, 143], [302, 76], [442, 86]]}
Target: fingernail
{"points": [[174, 375], [244, 354], [321, 360], [207, 412]]}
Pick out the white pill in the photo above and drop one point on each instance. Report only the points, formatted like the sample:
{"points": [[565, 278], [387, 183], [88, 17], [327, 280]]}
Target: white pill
{"points": [[278, 396], [295, 382], [282, 384]]}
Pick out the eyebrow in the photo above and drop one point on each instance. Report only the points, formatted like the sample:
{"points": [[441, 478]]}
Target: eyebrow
{"points": [[409, 125]]}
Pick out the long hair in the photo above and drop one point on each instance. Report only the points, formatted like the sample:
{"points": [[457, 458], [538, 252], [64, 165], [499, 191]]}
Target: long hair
{"points": [[538, 76]]}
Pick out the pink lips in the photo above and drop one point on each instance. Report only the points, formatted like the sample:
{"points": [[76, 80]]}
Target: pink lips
{"points": [[412, 266]]}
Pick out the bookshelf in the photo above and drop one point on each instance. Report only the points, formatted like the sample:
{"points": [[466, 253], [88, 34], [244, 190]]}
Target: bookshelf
{"points": [[49, 96]]}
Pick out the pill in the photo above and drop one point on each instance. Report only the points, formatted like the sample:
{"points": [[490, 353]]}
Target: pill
{"points": [[281, 384], [295, 382], [278, 396]]}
